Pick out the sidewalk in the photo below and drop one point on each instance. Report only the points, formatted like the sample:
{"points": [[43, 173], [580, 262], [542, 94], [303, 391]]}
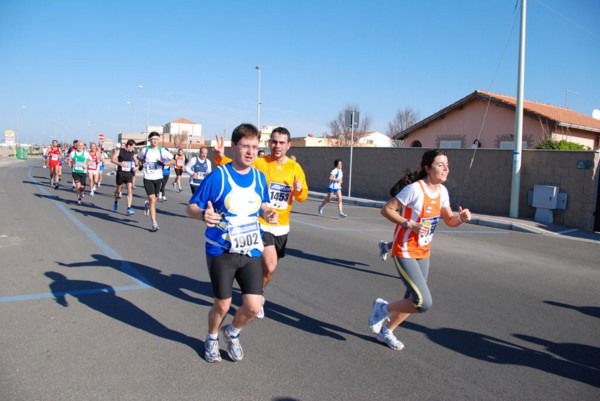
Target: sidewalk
{"points": [[500, 222]]}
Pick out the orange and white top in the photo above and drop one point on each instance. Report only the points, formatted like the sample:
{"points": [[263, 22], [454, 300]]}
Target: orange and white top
{"points": [[179, 162], [420, 206]]}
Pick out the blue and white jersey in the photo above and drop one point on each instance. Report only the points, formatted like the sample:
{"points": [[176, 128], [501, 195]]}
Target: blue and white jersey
{"points": [[238, 199], [200, 167], [338, 175]]}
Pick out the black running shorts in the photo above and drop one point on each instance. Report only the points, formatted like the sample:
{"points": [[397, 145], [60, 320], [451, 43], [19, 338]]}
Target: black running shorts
{"points": [[223, 269]]}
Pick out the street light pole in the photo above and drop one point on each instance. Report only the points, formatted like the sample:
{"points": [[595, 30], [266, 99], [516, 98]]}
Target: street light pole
{"points": [[516, 172], [148, 110], [258, 108]]}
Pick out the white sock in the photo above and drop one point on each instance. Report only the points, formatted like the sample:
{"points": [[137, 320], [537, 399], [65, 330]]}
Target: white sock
{"points": [[213, 336], [384, 309], [233, 331], [385, 330]]}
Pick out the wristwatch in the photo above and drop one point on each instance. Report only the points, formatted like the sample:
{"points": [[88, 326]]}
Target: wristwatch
{"points": [[406, 223]]}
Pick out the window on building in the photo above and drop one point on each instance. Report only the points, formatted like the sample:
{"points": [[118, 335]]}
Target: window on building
{"points": [[511, 144], [450, 144]]}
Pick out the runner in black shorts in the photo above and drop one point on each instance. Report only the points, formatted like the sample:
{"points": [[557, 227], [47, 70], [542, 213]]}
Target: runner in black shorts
{"points": [[280, 241], [125, 160], [80, 178], [287, 184], [229, 266], [152, 187], [229, 201], [154, 158]]}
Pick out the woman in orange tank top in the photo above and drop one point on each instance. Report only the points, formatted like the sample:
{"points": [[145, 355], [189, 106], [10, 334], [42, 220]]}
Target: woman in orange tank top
{"points": [[422, 204]]}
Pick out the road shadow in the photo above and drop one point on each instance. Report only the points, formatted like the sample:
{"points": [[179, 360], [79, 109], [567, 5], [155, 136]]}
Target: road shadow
{"points": [[102, 298], [348, 264], [175, 285], [572, 361], [593, 311], [108, 216], [290, 317]]}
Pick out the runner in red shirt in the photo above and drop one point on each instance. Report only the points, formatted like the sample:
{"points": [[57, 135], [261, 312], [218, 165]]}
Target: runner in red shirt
{"points": [[54, 157]]}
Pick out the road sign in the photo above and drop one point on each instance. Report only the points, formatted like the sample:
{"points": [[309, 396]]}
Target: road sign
{"points": [[9, 137], [352, 118], [100, 137]]}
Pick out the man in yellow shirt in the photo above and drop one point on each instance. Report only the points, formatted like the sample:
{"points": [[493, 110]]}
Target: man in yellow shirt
{"points": [[287, 183]]}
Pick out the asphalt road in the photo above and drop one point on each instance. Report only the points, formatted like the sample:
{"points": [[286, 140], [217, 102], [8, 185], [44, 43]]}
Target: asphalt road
{"points": [[94, 306]]}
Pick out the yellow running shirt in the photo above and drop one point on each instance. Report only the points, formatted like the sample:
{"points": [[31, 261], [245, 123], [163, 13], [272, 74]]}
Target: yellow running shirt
{"points": [[280, 180]]}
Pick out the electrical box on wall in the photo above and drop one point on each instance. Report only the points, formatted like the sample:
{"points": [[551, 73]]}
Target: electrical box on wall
{"points": [[545, 199]]}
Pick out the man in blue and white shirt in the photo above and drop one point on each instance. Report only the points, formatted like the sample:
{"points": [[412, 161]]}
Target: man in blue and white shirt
{"points": [[198, 167], [229, 201]]}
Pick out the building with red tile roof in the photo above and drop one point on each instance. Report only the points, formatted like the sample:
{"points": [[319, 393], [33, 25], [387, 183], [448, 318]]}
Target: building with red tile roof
{"points": [[489, 118]]}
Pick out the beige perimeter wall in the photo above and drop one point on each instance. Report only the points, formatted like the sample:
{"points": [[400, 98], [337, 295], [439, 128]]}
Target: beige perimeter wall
{"points": [[484, 189]]}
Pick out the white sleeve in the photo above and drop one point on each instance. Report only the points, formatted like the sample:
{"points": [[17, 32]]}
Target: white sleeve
{"points": [[188, 166], [166, 154], [445, 197], [408, 194], [208, 166]]}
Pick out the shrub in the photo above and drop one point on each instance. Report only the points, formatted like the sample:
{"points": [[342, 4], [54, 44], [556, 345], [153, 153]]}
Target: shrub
{"points": [[549, 143]]}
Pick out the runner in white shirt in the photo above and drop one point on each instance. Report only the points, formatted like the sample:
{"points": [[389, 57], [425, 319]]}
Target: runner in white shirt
{"points": [[154, 157]]}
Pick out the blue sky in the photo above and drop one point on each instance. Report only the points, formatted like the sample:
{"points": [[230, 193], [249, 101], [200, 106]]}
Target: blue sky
{"points": [[74, 65]]}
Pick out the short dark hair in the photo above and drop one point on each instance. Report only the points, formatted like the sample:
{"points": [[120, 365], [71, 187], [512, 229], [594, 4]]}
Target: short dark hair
{"points": [[153, 134], [130, 142], [335, 162], [243, 131], [282, 131]]}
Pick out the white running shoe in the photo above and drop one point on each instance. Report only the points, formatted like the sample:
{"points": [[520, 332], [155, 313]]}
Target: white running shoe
{"points": [[320, 209], [92, 192], [390, 339], [211, 350], [342, 214], [377, 317], [234, 348], [383, 250], [155, 226]]}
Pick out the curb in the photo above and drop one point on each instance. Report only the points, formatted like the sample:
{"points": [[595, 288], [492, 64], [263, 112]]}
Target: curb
{"points": [[475, 220]]}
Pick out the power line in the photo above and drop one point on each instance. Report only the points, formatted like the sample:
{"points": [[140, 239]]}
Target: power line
{"points": [[569, 20]]}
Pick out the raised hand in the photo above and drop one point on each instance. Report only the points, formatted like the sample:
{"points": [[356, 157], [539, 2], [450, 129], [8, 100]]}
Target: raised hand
{"points": [[211, 218], [464, 214], [297, 185], [219, 148]]}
